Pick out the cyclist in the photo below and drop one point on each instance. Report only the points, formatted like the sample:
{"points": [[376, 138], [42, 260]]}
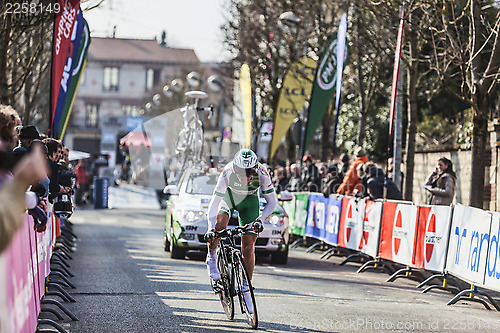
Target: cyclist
{"points": [[238, 189]]}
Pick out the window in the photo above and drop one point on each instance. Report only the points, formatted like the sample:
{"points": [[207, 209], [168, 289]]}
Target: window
{"points": [[199, 183], [152, 78], [92, 115], [131, 110], [111, 78]]}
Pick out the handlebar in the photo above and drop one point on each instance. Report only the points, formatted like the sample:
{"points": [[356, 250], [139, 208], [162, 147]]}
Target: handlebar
{"points": [[209, 108], [234, 231]]}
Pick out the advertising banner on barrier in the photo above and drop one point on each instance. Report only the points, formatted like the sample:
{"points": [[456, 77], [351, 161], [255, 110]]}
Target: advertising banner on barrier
{"points": [[351, 223], [492, 278], [316, 216], [371, 228], [21, 300], [298, 224], [3, 295], [432, 237], [397, 237], [468, 245], [333, 219]]}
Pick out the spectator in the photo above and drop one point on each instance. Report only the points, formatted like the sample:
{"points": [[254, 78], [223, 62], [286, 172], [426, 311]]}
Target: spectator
{"points": [[29, 170], [332, 180], [54, 152], [344, 159], [311, 179], [390, 172], [351, 179], [441, 183], [375, 182], [26, 135], [294, 182], [322, 170], [82, 181], [281, 179]]}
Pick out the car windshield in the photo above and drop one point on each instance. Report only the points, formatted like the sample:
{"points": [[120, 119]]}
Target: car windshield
{"points": [[201, 183]]}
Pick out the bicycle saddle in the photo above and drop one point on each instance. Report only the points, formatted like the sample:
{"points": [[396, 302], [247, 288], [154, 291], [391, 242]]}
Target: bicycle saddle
{"points": [[196, 94]]}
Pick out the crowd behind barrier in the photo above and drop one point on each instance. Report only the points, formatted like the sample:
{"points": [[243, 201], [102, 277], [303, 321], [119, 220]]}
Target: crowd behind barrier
{"points": [[460, 241]]}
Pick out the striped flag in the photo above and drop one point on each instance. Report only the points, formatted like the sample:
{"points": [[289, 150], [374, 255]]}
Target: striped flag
{"points": [[62, 53], [341, 54]]}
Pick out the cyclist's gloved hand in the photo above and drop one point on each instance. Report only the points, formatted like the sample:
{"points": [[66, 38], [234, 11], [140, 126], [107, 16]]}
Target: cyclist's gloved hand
{"points": [[257, 226], [209, 236]]}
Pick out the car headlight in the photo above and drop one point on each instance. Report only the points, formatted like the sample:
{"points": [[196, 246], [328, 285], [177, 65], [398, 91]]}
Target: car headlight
{"points": [[193, 216], [275, 220]]}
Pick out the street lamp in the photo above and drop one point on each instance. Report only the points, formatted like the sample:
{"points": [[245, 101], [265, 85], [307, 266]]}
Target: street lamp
{"points": [[290, 19], [194, 79], [215, 84]]}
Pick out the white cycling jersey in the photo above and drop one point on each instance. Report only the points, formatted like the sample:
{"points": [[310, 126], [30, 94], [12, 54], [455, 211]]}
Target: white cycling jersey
{"points": [[228, 181]]}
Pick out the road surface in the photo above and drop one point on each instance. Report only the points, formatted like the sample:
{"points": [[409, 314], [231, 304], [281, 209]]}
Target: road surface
{"points": [[125, 282]]}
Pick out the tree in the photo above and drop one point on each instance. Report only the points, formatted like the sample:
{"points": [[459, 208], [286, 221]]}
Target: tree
{"points": [[25, 46], [466, 47], [255, 36]]}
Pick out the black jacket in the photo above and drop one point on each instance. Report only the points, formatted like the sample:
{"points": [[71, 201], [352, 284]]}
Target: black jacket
{"points": [[375, 183]]}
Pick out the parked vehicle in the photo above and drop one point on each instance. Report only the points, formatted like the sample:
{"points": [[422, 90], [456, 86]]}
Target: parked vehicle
{"points": [[186, 219]]}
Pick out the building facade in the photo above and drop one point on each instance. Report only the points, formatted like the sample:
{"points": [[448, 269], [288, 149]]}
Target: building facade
{"points": [[120, 78]]}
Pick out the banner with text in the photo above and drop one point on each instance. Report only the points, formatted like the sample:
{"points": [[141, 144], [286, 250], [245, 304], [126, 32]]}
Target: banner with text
{"points": [[62, 49], [468, 248], [333, 219], [351, 223], [316, 216], [432, 237], [397, 237], [298, 221], [371, 228], [296, 90], [492, 278]]}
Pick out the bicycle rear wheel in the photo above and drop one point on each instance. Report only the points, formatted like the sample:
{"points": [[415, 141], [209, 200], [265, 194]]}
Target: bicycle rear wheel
{"points": [[226, 298], [240, 275]]}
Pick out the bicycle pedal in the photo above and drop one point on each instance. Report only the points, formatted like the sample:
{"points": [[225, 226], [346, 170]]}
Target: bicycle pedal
{"points": [[217, 288]]}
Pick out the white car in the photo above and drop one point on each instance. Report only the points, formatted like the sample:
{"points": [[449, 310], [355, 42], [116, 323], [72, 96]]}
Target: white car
{"points": [[186, 219]]}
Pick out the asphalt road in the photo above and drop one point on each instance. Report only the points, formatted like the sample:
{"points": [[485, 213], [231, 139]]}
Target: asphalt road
{"points": [[125, 282]]}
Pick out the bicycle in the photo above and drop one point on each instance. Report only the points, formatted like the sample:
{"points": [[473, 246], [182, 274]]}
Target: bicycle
{"points": [[189, 145], [233, 272]]}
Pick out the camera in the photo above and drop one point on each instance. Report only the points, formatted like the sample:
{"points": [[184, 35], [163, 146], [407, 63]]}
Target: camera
{"points": [[63, 207], [8, 159]]}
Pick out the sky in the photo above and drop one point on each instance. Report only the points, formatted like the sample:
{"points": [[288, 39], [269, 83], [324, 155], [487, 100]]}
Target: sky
{"points": [[190, 24]]}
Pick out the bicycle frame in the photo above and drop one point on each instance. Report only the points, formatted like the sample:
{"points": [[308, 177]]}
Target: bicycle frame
{"points": [[190, 142], [231, 259]]}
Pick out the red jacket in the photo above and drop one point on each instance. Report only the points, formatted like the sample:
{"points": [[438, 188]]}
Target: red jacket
{"points": [[351, 180], [81, 174]]}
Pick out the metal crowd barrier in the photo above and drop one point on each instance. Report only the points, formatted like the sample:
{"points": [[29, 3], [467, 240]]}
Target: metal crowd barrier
{"points": [[35, 275], [454, 244]]}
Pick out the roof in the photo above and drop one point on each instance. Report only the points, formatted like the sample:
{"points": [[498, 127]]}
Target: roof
{"points": [[137, 50]]}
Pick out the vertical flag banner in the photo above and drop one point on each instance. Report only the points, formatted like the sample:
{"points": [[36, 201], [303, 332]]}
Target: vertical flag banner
{"points": [[323, 89], [395, 73], [295, 91], [246, 102], [341, 54], [68, 93], [238, 125], [62, 49]]}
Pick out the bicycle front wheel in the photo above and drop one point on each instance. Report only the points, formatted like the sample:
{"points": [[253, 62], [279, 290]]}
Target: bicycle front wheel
{"points": [[240, 275], [226, 298]]}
